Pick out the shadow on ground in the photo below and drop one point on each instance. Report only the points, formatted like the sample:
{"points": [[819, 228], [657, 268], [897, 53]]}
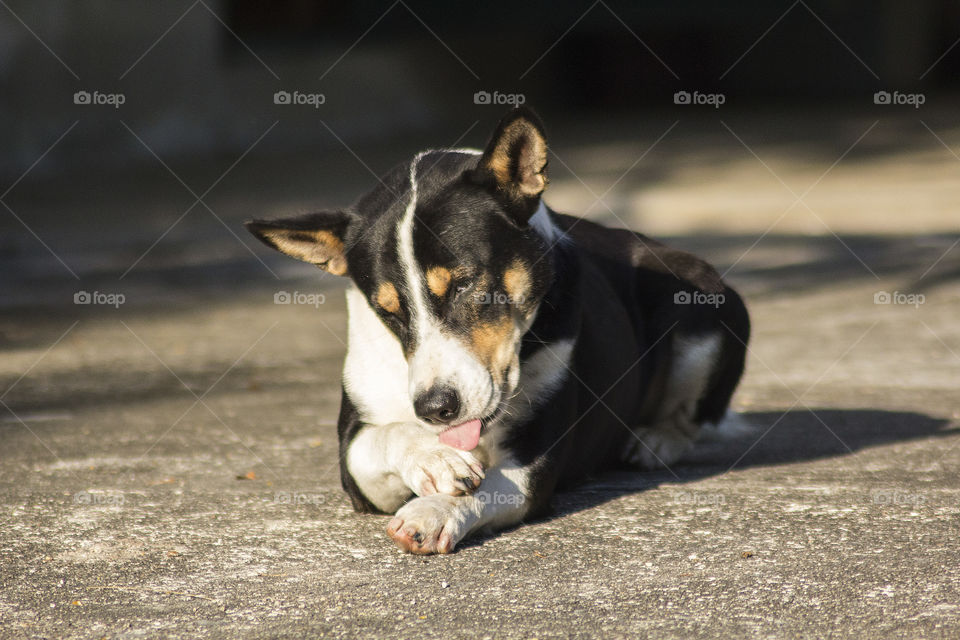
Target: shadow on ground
{"points": [[779, 439]]}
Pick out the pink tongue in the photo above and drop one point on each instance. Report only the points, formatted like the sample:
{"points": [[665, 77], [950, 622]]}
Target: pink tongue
{"points": [[464, 436]]}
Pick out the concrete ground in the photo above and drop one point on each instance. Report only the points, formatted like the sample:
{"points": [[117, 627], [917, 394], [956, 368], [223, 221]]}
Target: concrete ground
{"points": [[168, 464]]}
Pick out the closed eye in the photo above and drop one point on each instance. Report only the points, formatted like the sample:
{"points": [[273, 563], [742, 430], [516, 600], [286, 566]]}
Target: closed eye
{"points": [[461, 289], [396, 322]]}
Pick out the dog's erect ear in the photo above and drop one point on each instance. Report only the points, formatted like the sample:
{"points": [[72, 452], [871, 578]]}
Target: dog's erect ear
{"points": [[515, 163], [317, 238]]}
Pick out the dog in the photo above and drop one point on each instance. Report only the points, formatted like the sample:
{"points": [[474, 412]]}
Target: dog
{"points": [[499, 351]]}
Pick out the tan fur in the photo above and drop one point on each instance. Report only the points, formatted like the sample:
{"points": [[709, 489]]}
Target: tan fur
{"points": [[321, 248], [438, 280], [491, 344], [337, 263], [516, 281], [529, 166], [387, 297]]}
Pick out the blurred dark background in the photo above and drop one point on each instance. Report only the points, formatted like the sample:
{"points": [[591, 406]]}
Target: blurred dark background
{"points": [[136, 136], [199, 77]]}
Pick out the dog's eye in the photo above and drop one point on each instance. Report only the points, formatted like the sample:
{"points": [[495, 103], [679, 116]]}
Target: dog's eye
{"points": [[460, 288]]}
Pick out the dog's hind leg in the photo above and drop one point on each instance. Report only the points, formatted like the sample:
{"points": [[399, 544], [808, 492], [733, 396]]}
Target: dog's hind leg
{"points": [[677, 424]]}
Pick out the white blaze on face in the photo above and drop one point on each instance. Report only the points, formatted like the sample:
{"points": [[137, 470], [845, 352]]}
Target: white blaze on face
{"points": [[438, 358]]}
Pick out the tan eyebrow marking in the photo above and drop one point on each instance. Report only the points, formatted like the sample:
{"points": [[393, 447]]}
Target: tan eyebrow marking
{"points": [[438, 280], [516, 280], [387, 297]]}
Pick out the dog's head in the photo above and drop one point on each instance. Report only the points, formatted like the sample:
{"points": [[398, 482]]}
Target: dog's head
{"points": [[450, 252]]}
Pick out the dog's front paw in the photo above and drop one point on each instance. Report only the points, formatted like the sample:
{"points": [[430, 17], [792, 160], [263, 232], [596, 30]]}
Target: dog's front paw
{"points": [[442, 469], [431, 524]]}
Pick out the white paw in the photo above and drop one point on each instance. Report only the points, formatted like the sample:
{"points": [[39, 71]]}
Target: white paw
{"points": [[431, 524], [438, 468], [657, 449]]}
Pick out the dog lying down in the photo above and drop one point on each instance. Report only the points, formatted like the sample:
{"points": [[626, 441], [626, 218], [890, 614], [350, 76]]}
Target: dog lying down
{"points": [[500, 351]]}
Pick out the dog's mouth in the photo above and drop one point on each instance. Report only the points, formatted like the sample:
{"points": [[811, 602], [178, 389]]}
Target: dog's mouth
{"points": [[466, 435]]}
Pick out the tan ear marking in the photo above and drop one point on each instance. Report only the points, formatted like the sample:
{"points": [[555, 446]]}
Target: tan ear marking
{"points": [[335, 266], [387, 298], [322, 248], [438, 280], [337, 263], [520, 158], [327, 239]]}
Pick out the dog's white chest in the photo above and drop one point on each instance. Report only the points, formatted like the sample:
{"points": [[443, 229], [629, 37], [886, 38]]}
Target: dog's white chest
{"points": [[375, 371]]}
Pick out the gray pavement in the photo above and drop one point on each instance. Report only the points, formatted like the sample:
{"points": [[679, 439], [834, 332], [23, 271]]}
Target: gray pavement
{"points": [[168, 465]]}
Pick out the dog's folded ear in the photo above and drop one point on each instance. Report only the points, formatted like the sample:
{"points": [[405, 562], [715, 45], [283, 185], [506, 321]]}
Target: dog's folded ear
{"points": [[514, 164], [318, 238]]}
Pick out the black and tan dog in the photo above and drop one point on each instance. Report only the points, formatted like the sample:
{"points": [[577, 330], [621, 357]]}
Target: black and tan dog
{"points": [[499, 351]]}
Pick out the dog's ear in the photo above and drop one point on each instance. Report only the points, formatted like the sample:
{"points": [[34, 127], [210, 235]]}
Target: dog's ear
{"points": [[318, 238], [514, 163]]}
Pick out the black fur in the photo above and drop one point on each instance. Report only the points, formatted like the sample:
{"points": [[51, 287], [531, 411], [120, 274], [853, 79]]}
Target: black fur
{"points": [[611, 289]]}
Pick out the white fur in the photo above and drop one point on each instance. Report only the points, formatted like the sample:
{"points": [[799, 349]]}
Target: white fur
{"points": [[690, 367], [370, 460], [392, 461], [414, 278], [731, 426], [674, 430], [375, 371], [465, 150], [504, 495], [439, 358], [442, 521]]}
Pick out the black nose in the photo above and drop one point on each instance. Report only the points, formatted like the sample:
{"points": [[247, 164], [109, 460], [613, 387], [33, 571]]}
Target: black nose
{"points": [[437, 405]]}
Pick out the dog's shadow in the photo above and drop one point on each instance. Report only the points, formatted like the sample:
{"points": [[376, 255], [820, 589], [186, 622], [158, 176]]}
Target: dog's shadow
{"points": [[777, 439]]}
